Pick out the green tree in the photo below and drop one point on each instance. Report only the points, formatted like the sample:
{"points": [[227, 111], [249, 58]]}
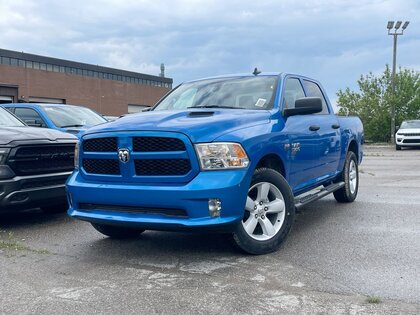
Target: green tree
{"points": [[372, 103]]}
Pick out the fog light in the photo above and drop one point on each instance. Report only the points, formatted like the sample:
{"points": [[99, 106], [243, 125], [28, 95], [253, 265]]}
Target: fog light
{"points": [[215, 206]]}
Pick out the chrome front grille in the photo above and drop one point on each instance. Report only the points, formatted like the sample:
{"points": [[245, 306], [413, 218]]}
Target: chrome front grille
{"points": [[409, 134]]}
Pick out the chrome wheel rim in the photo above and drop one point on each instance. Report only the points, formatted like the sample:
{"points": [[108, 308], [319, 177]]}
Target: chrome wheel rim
{"points": [[264, 211], [352, 177]]}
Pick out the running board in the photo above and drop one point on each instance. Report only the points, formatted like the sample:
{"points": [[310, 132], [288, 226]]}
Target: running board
{"points": [[301, 201]]}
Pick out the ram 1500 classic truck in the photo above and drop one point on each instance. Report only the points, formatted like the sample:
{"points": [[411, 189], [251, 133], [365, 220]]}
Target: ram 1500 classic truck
{"points": [[236, 154], [34, 165]]}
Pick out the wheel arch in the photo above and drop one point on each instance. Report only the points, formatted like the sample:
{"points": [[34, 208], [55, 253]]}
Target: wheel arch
{"points": [[353, 147], [272, 161]]}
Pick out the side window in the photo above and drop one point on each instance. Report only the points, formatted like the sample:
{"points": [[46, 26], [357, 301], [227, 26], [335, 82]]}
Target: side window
{"points": [[292, 91], [29, 116], [313, 90]]}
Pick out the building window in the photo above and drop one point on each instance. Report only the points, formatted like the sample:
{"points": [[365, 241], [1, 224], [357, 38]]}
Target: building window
{"points": [[56, 68], [13, 62], [42, 66], [49, 67], [79, 71], [5, 60], [29, 64], [36, 65], [21, 63]]}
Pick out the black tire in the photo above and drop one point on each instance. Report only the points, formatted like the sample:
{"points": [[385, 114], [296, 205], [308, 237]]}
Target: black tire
{"points": [[117, 232], [257, 247], [397, 147], [59, 208], [347, 193]]}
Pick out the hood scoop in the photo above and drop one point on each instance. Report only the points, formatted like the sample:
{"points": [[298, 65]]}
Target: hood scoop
{"points": [[200, 114]]}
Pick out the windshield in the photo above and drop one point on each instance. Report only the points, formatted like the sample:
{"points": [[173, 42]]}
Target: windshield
{"points": [[243, 92], [410, 124], [8, 120], [73, 116]]}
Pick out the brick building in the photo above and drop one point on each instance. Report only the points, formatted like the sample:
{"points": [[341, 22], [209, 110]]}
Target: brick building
{"points": [[33, 78]]}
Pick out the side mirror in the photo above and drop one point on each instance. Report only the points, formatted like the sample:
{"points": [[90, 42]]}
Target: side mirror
{"points": [[304, 106], [33, 122], [147, 109]]}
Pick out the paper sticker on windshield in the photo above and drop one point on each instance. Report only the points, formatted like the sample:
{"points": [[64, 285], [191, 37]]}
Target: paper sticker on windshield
{"points": [[261, 102]]}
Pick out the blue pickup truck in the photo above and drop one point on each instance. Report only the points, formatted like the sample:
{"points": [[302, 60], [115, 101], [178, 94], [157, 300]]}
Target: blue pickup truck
{"points": [[236, 154], [68, 118]]}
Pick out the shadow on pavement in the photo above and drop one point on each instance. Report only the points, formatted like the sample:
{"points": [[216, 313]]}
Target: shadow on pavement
{"points": [[28, 218]]}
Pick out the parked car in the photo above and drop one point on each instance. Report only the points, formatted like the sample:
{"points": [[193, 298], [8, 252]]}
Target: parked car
{"points": [[408, 135], [236, 154], [67, 118], [34, 165]]}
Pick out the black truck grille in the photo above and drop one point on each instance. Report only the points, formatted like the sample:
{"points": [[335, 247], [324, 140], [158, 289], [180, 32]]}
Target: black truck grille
{"points": [[157, 144], [43, 159], [411, 141], [100, 145], [133, 209], [143, 165], [101, 166], [162, 167]]}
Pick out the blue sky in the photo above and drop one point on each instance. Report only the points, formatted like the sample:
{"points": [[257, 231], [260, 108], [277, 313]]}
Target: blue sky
{"points": [[332, 41]]}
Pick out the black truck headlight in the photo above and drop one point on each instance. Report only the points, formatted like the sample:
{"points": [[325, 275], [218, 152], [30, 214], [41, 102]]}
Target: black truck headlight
{"points": [[221, 155], [3, 155]]}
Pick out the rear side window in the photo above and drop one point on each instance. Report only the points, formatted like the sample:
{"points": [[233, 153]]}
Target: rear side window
{"points": [[313, 90], [292, 91]]}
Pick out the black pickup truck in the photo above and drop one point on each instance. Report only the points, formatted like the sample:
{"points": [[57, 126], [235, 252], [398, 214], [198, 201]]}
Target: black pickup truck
{"points": [[34, 165]]}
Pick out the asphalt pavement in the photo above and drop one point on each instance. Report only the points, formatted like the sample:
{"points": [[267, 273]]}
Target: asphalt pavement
{"points": [[336, 256]]}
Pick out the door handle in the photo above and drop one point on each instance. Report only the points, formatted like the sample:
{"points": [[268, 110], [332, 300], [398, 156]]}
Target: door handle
{"points": [[335, 126], [314, 128]]}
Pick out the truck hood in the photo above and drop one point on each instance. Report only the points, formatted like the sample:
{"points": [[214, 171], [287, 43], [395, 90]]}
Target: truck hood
{"points": [[11, 134], [202, 125]]}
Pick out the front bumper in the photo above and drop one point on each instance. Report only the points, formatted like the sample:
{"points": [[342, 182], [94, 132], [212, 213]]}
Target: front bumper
{"points": [[407, 141], [23, 192], [230, 187]]}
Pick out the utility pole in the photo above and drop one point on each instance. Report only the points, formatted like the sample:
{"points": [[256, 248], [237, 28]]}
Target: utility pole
{"points": [[395, 34]]}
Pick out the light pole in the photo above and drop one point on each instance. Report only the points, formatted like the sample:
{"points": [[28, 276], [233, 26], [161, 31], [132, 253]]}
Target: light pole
{"points": [[395, 33]]}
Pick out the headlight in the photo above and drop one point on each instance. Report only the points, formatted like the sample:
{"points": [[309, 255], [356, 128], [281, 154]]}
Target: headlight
{"points": [[76, 156], [3, 155], [221, 155]]}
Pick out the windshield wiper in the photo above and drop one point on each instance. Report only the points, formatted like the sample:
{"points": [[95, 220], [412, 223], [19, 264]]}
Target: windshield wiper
{"points": [[215, 106], [67, 126]]}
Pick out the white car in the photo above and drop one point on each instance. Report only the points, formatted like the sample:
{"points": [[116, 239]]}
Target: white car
{"points": [[408, 135]]}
